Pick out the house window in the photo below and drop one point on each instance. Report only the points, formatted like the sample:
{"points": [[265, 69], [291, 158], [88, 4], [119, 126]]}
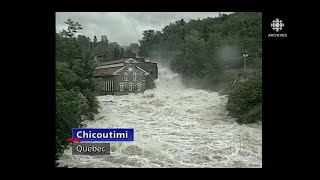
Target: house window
{"points": [[130, 86], [139, 86], [121, 86], [125, 76], [134, 76]]}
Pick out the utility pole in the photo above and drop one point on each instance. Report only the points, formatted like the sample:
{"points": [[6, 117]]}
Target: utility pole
{"points": [[245, 55]]}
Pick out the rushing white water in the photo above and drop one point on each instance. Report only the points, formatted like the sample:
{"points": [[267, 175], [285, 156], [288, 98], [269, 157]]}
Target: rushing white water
{"points": [[174, 126]]}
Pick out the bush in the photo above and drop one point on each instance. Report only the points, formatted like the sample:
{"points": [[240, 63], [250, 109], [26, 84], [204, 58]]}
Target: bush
{"points": [[92, 103], [245, 99], [70, 105], [252, 115]]}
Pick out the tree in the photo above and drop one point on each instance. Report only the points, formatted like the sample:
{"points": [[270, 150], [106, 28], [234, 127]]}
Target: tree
{"points": [[85, 46], [68, 47], [69, 107], [101, 48], [128, 54], [180, 23], [113, 51], [116, 53], [195, 56], [202, 40], [245, 100], [104, 39], [75, 84], [134, 48], [73, 27], [146, 42], [95, 40], [121, 53]]}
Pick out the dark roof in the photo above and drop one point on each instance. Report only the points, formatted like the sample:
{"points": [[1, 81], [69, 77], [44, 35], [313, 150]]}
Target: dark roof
{"points": [[148, 62], [106, 71], [120, 61], [113, 62]]}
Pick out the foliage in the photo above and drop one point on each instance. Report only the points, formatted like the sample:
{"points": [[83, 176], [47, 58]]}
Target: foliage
{"points": [[203, 42], [73, 27], [212, 56], [75, 84], [70, 105], [128, 53], [245, 100]]}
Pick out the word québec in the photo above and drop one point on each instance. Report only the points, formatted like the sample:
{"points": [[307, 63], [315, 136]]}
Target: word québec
{"points": [[85, 148], [90, 148]]}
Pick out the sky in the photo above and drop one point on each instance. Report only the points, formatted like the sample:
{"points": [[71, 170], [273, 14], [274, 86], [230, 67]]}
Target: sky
{"points": [[125, 27]]}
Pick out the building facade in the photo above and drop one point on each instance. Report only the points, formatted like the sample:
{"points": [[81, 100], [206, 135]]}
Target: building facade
{"points": [[131, 75]]}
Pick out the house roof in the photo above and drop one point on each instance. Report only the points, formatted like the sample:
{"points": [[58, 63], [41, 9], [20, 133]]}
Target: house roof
{"points": [[106, 71], [113, 62], [110, 68], [145, 72], [139, 68], [120, 61]]}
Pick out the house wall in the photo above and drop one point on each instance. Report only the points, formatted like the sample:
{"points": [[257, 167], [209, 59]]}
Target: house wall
{"points": [[140, 78], [152, 68], [106, 86]]}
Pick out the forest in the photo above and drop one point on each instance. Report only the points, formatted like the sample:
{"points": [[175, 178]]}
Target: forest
{"points": [[211, 48]]}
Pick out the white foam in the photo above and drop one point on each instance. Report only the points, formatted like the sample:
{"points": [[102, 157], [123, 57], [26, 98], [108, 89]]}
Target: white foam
{"points": [[174, 127]]}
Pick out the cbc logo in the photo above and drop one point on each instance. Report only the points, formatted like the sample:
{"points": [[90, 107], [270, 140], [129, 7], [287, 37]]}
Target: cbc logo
{"points": [[277, 25]]}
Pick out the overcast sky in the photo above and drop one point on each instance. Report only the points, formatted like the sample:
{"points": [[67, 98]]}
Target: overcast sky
{"points": [[125, 27]]}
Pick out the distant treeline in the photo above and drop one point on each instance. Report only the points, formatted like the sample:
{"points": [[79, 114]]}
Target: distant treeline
{"points": [[210, 45], [84, 47]]}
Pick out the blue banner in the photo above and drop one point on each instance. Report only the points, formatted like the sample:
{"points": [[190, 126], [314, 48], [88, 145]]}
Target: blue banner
{"points": [[103, 134]]}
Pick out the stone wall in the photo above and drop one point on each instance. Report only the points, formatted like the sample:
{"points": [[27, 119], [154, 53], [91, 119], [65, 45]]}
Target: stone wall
{"points": [[152, 68]]}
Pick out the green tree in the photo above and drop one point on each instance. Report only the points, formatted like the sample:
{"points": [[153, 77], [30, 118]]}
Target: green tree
{"points": [[95, 40], [195, 56], [75, 84], [73, 27], [202, 42], [128, 53], [67, 48], [134, 48], [101, 48], [69, 107], [146, 42], [85, 46], [115, 53], [121, 53], [245, 100]]}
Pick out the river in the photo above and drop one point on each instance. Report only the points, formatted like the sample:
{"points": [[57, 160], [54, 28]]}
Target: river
{"points": [[174, 126]]}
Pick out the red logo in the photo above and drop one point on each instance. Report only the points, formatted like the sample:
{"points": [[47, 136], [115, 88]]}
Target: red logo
{"points": [[74, 140]]}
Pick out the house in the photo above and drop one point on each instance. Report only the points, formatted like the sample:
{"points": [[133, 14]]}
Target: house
{"points": [[124, 76]]}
